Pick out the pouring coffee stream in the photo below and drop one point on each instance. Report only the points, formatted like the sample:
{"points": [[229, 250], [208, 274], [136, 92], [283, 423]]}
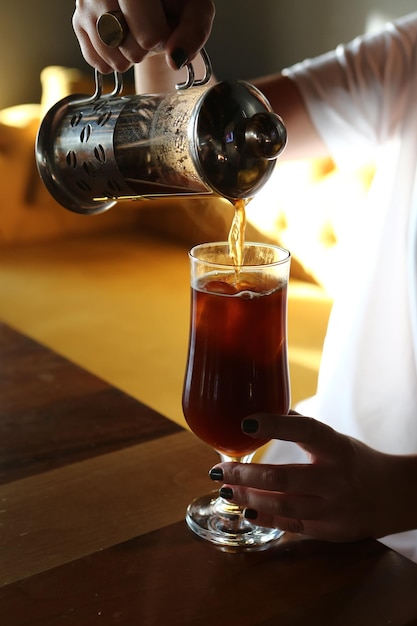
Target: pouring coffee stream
{"points": [[222, 139]]}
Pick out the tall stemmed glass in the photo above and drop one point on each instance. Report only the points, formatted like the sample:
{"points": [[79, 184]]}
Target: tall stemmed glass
{"points": [[237, 365]]}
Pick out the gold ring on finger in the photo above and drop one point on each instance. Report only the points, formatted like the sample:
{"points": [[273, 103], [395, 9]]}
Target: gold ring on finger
{"points": [[112, 28]]}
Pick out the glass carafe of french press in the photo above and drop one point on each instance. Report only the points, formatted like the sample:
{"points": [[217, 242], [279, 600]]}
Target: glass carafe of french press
{"points": [[222, 139]]}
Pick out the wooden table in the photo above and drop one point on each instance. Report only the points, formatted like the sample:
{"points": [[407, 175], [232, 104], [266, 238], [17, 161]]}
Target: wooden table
{"points": [[93, 489]]}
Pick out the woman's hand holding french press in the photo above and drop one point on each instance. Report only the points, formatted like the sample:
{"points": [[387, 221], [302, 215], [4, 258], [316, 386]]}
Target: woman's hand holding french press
{"points": [[179, 28]]}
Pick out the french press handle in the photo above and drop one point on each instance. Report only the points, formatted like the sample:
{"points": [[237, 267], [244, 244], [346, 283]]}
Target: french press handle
{"points": [[190, 81]]}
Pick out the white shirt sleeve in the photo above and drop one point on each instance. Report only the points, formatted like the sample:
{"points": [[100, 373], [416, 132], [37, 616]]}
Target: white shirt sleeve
{"points": [[357, 95]]}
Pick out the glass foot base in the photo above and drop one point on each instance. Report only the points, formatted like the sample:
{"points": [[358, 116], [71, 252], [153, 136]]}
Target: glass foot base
{"points": [[222, 523]]}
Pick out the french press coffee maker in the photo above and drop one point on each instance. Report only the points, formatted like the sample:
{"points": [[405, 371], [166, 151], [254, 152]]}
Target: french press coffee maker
{"points": [[92, 152]]}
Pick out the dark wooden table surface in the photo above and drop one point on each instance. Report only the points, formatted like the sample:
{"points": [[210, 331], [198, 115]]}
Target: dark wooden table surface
{"points": [[93, 489]]}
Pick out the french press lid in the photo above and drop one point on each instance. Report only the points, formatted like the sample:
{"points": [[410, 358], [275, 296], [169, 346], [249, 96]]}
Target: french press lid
{"points": [[236, 139]]}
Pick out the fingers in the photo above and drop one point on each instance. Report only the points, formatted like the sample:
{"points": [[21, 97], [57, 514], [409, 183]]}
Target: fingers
{"points": [[98, 57], [190, 32], [147, 22], [307, 479], [180, 27], [95, 52], [276, 496], [288, 512], [308, 513], [280, 505], [147, 28]]}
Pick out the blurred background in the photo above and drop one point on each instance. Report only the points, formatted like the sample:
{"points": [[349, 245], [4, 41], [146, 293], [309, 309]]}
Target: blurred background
{"points": [[249, 38]]}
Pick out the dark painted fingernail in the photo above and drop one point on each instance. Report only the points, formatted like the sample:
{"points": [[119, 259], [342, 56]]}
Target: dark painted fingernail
{"points": [[250, 514], [250, 426], [216, 473], [226, 492], [180, 58]]}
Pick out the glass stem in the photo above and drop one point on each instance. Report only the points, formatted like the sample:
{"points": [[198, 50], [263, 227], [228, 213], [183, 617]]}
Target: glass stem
{"points": [[247, 458], [230, 513]]}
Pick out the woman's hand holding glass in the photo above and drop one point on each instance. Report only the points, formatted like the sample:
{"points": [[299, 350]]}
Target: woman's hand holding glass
{"points": [[348, 492]]}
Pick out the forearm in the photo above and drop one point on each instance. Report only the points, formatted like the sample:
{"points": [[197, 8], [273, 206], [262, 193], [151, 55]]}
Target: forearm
{"points": [[284, 96], [153, 75], [398, 494]]}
